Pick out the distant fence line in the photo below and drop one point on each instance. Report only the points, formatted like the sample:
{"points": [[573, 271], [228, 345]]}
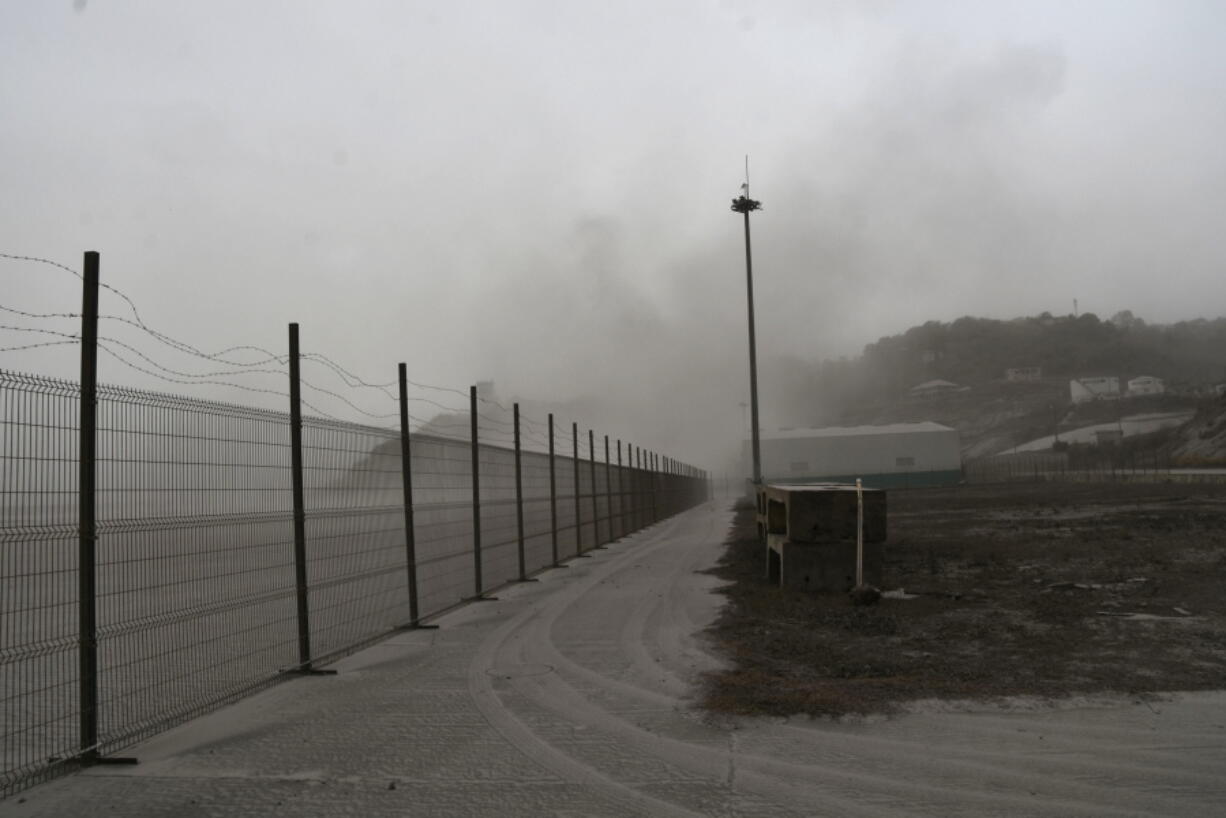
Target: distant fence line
{"points": [[161, 555], [1089, 465]]}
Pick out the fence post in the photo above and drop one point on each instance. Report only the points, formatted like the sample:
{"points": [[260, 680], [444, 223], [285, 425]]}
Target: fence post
{"points": [[406, 469], [640, 489], [608, 489], [669, 489], [621, 493], [655, 487], [519, 500], [553, 497], [634, 488], [644, 512], [476, 481], [87, 488], [651, 487], [574, 434], [295, 438], [665, 510], [591, 470]]}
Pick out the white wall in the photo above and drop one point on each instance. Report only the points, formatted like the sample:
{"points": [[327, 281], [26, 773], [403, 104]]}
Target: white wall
{"points": [[790, 458], [1082, 390]]}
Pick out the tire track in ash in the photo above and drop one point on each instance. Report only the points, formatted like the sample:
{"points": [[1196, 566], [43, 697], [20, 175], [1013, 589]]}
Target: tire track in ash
{"points": [[623, 687], [634, 640], [633, 722], [491, 655]]}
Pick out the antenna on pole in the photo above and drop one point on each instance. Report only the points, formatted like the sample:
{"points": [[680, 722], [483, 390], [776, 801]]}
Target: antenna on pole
{"points": [[745, 205]]}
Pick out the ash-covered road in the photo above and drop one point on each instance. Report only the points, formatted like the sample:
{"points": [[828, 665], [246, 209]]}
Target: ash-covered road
{"points": [[573, 696]]}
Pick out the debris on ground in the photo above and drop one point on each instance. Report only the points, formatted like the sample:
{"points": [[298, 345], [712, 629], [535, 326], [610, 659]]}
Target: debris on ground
{"points": [[1043, 589]]}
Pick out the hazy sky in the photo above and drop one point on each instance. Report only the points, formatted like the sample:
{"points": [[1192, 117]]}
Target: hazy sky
{"points": [[537, 192]]}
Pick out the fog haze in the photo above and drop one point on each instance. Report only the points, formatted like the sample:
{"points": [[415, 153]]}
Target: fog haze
{"points": [[537, 193]]}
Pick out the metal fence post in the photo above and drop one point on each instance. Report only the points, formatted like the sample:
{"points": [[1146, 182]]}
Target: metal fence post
{"points": [[634, 487], [645, 475], [608, 489], [295, 437], [476, 481], [621, 493], [574, 434], [655, 487], [632, 492], [591, 470], [667, 481], [640, 486], [553, 496], [519, 500], [87, 489], [406, 469], [651, 488]]}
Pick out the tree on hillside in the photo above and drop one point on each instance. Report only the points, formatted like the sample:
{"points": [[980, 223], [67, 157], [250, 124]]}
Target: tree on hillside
{"points": [[974, 351]]}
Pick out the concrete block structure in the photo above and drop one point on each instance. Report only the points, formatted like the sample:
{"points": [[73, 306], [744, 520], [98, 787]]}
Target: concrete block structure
{"points": [[810, 535]]}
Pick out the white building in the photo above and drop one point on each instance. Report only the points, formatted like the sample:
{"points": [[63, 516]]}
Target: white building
{"points": [[1084, 390], [1146, 385], [884, 456]]}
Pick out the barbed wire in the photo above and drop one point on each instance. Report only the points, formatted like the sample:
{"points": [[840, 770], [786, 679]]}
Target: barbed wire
{"points": [[357, 381], [16, 311], [506, 424], [38, 346], [534, 431], [221, 374], [102, 344], [216, 356], [39, 331], [12, 257], [348, 402], [351, 380], [182, 346], [321, 413], [348, 378]]}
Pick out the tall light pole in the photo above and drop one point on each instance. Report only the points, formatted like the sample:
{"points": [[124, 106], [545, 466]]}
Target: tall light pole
{"points": [[745, 205]]}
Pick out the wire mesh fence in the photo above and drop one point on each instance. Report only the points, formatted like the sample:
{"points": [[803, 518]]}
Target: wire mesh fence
{"points": [[1087, 464], [197, 597], [38, 577], [194, 573]]}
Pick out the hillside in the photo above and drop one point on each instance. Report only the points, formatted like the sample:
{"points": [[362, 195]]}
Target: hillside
{"points": [[993, 413]]}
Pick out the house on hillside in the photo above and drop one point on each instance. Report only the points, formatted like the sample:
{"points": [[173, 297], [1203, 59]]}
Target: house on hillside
{"points": [[899, 454], [930, 389], [1103, 387], [1146, 385], [1023, 374]]}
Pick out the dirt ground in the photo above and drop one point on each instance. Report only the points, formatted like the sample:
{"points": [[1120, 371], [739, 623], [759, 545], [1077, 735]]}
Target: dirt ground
{"points": [[1042, 589]]}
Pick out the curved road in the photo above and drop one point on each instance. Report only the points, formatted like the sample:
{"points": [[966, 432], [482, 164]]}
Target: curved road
{"points": [[572, 697]]}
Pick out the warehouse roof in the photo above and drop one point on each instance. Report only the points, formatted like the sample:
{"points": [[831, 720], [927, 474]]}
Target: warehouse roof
{"points": [[925, 427]]}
